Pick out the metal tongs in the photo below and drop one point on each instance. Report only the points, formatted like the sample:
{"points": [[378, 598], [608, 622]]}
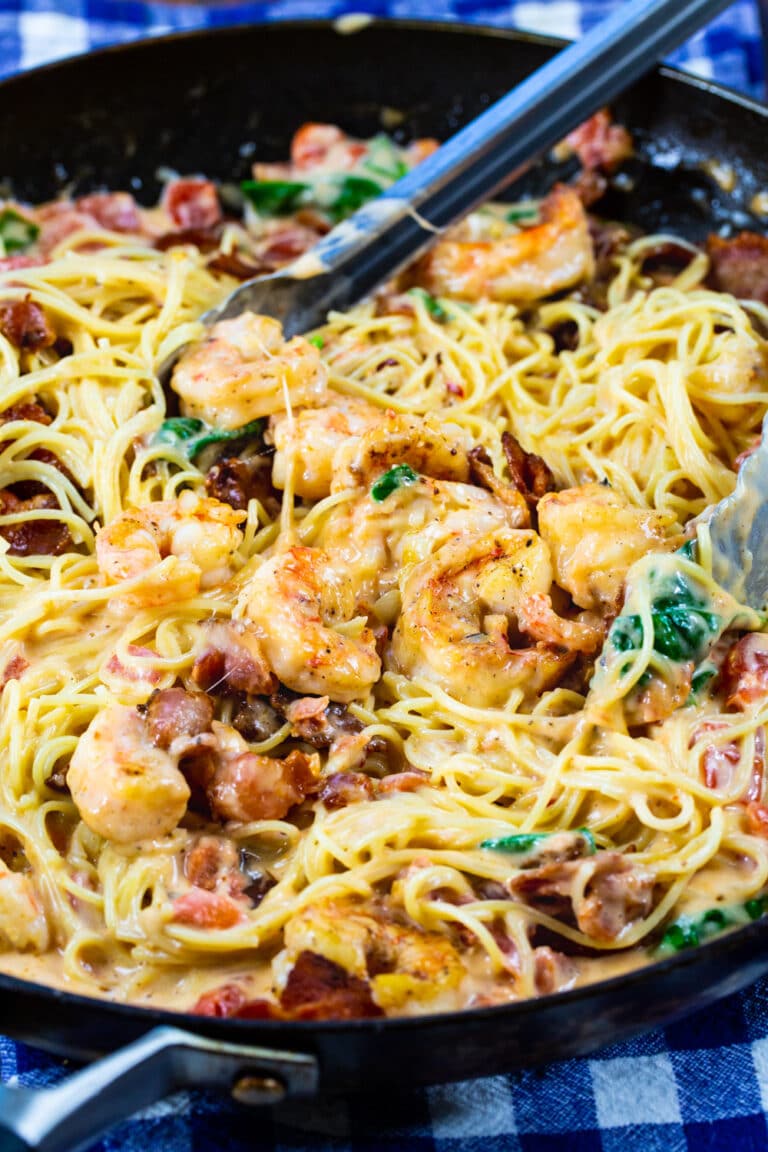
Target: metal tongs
{"points": [[475, 164]]}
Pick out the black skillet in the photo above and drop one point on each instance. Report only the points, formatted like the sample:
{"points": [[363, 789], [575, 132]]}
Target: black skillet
{"points": [[208, 102]]}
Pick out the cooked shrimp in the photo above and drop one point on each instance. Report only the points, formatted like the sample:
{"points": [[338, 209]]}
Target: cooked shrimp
{"points": [[458, 607], [411, 964], [125, 787], [171, 548], [376, 540], [244, 370], [23, 923], [552, 255], [428, 445], [595, 536], [313, 437], [298, 600]]}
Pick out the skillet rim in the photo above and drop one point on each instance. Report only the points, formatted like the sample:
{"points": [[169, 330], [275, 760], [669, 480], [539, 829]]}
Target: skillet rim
{"points": [[729, 941]]}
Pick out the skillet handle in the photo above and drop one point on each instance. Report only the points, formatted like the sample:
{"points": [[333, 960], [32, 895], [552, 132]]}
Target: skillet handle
{"points": [[73, 1114]]}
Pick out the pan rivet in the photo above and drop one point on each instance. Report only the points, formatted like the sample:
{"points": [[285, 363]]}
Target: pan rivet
{"points": [[254, 1090]]}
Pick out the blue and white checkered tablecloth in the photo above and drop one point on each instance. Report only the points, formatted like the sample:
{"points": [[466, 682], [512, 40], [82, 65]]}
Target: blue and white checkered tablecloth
{"points": [[699, 1085]]}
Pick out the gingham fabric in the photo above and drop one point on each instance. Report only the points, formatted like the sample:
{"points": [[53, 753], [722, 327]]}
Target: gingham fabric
{"points": [[700, 1085]]}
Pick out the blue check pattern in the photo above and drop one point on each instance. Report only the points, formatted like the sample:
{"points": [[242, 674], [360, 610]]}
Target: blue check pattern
{"points": [[698, 1086]]}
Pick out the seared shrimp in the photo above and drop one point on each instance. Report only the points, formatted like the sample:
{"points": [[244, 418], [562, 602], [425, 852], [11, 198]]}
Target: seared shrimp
{"points": [[436, 448], [377, 540], [23, 923], [411, 965], [125, 787], [171, 548], [552, 255], [313, 437], [297, 600], [245, 370], [458, 607], [595, 536]]}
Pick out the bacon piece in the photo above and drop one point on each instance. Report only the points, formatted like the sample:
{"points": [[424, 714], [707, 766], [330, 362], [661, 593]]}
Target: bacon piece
{"points": [[33, 537], [318, 989], [174, 712], [529, 473], [25, 410], [59, 219], [11, 263], [315, 720], [551, 970], [236, 481], [482, 474], [343, 788], [744, 674], [204, 909], [25, 324], [409, 781], [205, 239], [740, 265], [616, 893], [115, 211], [192, 203], [251, 787], [224, 1001], [720, 760], [599, 143], [229, 1000], [232, 660], [230, 263], [209, 860], [14, 669], [134, 673], [757, 818]]}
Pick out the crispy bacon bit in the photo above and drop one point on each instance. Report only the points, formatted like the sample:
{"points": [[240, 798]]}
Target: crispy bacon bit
{"points": [[33, 537], [115, 211], [286, 243], [14, 669], [224, 1001], [206, 239], [25, 325], [229, 1000], [251, 787], [25, 410], [236, 481], [314, 720], [139, 673], [232, 661], [174, 712], [409, 781], [744, 674], [192, 203], [616, 893], [343, 788], [204, 909], [209, 860], [530, 475], [230, 263], [599, 143], [740, 265], [552, 970], [318, 989], [482, 473]]}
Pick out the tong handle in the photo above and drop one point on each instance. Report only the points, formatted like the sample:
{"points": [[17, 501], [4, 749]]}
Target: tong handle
{"points": [[73, 1114]]}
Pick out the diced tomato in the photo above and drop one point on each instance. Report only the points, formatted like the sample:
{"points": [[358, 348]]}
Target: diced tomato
{"points": [[744, 675]]}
